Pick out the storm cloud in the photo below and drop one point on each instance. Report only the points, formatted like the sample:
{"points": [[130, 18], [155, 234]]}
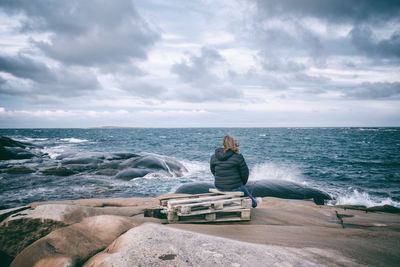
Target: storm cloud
{"points": [[86, 32], [378, 90], [45, 80], [229, 59]]}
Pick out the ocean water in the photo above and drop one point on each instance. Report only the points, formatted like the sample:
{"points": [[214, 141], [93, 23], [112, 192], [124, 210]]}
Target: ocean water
{"points": [[356, 166]]}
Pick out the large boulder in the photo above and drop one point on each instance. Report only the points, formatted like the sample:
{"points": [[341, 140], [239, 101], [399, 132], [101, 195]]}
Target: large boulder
{"points": [[157, 245], [22, 226], [265, 188], [11, 149], [73, 245]]}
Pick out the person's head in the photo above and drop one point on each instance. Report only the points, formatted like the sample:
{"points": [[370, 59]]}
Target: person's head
{"points": [[230, 143]]}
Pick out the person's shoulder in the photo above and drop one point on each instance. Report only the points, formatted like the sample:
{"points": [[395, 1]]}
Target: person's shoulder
{"points": [[238, 156]]}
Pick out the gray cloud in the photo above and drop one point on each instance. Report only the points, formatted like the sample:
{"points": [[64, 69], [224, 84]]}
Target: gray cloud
{"points": [[364, 40], [205, 85], [142, 89], [290, 37], [197, 69], [278, 64], [59, 81], [24, 67], [337, 11], [212, 93], [377, 90], [310, 79], [86, 33]]}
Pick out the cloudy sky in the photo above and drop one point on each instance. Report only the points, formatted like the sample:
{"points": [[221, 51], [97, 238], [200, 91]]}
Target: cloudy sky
{"points": [[207, 63]]}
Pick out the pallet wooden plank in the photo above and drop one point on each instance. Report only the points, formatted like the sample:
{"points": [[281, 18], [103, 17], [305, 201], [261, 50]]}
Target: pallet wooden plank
{"points": [[207, 211], [209, 203], [164, 201], [171, 203], [243, 215], [232, 193]]}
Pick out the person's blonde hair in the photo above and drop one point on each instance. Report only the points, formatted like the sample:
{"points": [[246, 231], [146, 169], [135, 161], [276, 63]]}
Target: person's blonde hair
{"points": [[230, 143]]}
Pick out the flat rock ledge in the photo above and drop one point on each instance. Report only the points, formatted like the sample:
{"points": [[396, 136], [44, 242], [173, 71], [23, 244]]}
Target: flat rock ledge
{"points": [[114, 232]]}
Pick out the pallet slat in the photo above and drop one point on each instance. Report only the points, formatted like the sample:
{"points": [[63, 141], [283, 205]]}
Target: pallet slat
{"points": [[202, 208], [207, 211], [196, 200], [164, 201]]}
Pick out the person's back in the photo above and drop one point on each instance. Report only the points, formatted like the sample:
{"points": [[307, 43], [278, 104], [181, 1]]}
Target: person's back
{"points": [[229, 169]]}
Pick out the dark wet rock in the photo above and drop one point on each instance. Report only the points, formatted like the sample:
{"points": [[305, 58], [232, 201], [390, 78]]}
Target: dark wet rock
{"points": [[384, 208], [8, 142], [265, 188], [109, 165], [20, 170], [122, 156], [76, 168], [58, 171], [86, 160], [150, 162], [11, 149], [7, 153], [132, 173], [107, 172]]}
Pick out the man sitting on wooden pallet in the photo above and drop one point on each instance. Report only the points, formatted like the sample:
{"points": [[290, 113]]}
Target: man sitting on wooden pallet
{"points": [[230, 169]]}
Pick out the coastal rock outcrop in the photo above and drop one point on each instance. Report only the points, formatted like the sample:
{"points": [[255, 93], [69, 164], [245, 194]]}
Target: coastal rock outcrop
{"points": [[73, 245], [22, 226], [156, 245], [265, 188], [38, 161], [281, 231], [11, 149]]}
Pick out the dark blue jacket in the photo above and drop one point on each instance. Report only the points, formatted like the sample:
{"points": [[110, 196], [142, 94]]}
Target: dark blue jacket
{"points": [[229, 169]]}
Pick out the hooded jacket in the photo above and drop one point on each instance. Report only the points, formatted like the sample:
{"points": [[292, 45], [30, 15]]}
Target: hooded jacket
{"points": [[229, 169]]}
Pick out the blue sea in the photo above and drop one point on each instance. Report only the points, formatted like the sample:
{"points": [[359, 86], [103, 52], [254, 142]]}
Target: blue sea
{"points": [[356, 166]]}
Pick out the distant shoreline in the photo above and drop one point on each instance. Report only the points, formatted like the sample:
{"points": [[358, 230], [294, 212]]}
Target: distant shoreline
{"points": [[112, 127]]}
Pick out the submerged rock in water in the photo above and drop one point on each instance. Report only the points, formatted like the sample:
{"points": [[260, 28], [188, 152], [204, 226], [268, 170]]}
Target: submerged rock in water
{"points": [[20, 170], [11, 149], [121, 165], [58, 171], [132, 173], [265, 188], [107, 172]]}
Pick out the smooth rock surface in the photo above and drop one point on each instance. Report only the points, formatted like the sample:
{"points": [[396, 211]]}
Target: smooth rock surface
{"points": [[296, 232], [73, 245], [27, 224], [156, 245]]}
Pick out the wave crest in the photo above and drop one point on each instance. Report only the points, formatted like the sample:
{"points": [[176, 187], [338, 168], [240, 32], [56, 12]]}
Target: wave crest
{"points": [[275, 171], [357, 198]]}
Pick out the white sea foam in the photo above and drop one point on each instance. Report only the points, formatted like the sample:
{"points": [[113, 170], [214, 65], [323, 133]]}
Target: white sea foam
{"points": [[74, 140], [53, 152], [276, 171], [198, 170], [362, 199], [29, 139]]}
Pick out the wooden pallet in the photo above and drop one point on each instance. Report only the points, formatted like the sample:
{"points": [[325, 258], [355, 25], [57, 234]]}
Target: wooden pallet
{"points": [[217, 216], [211, 207]]}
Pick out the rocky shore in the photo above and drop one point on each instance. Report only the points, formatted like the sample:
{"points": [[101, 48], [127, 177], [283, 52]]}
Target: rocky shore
{"points": [[114, 232]]}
